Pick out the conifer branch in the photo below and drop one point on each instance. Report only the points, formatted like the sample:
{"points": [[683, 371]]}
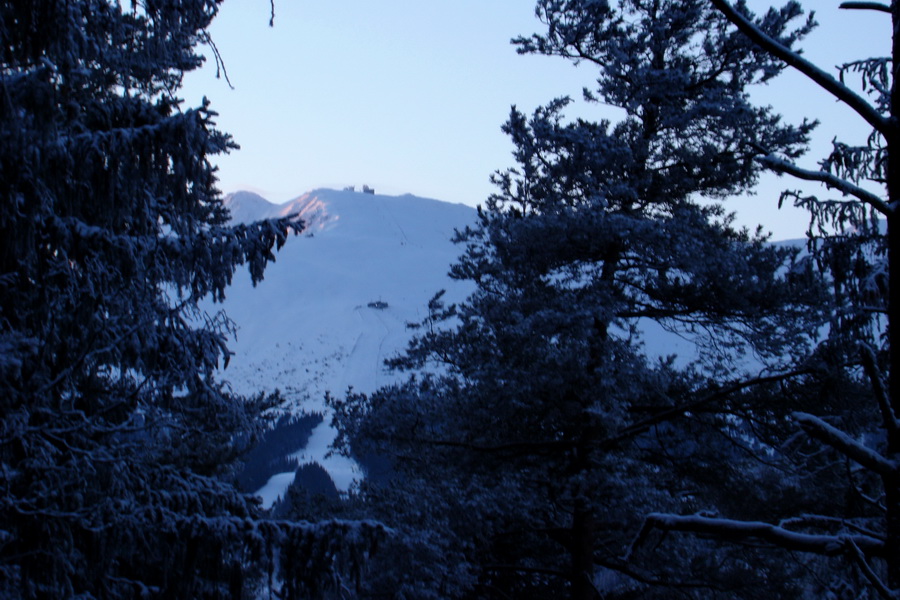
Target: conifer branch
{"points": [[830, 180], [870, 366], [675, 412], [819, 76]]}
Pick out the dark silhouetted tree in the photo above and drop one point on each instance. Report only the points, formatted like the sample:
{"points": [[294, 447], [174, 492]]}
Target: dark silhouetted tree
{"points": [[525, 466], [117, 444], [850, 424]]}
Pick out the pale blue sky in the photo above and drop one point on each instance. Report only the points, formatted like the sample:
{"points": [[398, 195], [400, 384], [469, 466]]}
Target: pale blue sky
{"points": [[408, 96]]}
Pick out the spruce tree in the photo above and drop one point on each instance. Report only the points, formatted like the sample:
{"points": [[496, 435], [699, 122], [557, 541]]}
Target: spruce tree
{"points": [[117, 442]]}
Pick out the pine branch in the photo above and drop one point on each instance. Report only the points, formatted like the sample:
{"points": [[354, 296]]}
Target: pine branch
{"points": [[831, 181], [537, 447], [837, 89], [676, 412]]}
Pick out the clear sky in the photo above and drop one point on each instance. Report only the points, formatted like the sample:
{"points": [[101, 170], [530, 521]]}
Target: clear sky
{"points": [[408, 96]]}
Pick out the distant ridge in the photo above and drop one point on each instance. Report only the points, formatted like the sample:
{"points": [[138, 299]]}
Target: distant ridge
{"points": [[357, 249], [308, 327], [247, 206]]}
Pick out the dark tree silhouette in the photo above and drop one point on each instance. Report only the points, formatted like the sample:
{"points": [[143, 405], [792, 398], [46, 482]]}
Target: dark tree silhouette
{"points": [[117, 444]]}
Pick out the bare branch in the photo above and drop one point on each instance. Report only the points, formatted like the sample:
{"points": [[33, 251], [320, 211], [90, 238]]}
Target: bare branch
{"points": [[828, 545], [793, 59], [843, 443], [866, 6], [220, 62], [831, 181]]}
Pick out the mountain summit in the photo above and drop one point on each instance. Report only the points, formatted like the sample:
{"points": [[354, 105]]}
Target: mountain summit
{"points": [[336, 302]]}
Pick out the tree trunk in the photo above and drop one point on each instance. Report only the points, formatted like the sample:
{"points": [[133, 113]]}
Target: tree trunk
{"points": [[582, 554], [893, 222], [892, 485]]}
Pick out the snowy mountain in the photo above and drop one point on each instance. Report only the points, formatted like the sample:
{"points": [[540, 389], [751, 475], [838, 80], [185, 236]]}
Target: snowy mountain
{"points": [[336, 302]]}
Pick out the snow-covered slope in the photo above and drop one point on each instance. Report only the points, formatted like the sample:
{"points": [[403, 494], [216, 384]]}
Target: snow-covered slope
{"points": [[336, 302]]}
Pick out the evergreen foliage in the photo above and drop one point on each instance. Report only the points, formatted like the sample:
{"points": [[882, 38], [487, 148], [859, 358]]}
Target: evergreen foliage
{"points": [[117, 444], [846, 404], [311, 493], [526, 466]]}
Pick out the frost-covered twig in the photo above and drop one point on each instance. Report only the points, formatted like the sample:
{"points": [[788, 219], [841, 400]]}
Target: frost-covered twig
{"points": [[874, 373], [823, 521]]}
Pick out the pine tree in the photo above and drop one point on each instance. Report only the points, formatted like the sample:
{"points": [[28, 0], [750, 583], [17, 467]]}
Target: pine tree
{"points": [[849, 420], [117, 443], [548, 435]]}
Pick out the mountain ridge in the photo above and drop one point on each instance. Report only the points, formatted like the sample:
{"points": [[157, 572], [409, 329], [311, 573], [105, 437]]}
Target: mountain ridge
{"points": [[336, 302]]}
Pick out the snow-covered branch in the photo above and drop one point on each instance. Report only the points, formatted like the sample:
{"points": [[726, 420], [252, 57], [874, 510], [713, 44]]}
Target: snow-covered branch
{"points": [[828, 545], [793, 59], [824, 522], [830, 180], [840, 441]]}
